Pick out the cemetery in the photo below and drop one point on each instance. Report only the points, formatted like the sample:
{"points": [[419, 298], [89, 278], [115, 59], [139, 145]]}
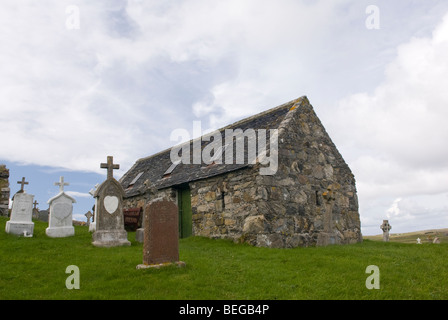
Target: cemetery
{"points": [[112, 263], [34, 268], [301, 237]]}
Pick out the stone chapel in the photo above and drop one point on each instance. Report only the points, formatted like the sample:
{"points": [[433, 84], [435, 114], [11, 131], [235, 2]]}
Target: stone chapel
{"points": [[309, 200]]}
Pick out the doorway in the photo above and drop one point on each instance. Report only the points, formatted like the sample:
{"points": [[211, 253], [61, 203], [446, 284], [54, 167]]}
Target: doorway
{"points": [[185, 212]]}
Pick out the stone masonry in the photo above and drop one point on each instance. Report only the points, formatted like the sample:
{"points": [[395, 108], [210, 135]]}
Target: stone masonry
{"points": [[310, 200]]}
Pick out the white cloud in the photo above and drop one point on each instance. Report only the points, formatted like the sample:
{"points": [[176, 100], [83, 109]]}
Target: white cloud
{"points": [[397, 134], [76, 194]]}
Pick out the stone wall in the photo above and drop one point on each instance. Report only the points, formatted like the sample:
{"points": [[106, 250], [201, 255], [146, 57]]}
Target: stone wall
{"points": [[311, 200], [4, 190], [222, 205]]}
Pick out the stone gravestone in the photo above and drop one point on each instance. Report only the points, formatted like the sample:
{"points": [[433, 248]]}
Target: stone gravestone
{"points": [[161, 239], [109, 222], [92, 225], [35, 210], [21, 214], [328, 236], [88, 215], [60, 223], [386, 228]]}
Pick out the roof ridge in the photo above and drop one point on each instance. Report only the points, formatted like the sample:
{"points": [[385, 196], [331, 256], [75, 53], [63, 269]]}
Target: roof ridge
{"points": [[239, 122]]}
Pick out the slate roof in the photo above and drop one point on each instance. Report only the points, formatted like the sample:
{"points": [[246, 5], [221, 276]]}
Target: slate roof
{"points": [[154, 167]]}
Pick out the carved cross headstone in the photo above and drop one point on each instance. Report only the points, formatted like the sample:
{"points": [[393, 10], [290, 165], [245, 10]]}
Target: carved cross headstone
{"points": [[328, 235], [21, 213], [386, 228], [88, 215], [60, 222], [109, 229], [35, 210]]}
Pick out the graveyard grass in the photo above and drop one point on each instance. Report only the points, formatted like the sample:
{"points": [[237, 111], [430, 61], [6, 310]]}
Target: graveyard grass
{"points": [[34, 268]]}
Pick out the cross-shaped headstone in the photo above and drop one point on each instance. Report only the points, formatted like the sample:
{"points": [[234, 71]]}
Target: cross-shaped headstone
{"points": [[386, 228], [22, 183], [110, 166], [35, 204], [88, 216], [61, 184]]}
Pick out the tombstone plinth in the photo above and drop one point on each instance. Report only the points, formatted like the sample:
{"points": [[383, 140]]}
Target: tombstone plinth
{"points": [[61, 210], [21, 214], [109, 222], [161, 237]]}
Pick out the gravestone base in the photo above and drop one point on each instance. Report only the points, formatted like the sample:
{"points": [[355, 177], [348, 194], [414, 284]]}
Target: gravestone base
{"points": [[19, 228], [60, 232], [110, 238], [179, 264]]}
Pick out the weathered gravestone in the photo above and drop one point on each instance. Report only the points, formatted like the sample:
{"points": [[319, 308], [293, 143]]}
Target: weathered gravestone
{"points": [[328, 236], [61, 209], [161, 239], [21, 215], [92, 225], [88, 215], [386, 228], [109, 222], [35, 210]]}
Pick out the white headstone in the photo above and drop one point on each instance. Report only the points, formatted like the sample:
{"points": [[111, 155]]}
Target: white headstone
{"points": [[419, 241], [60, 222], [21, 215]]}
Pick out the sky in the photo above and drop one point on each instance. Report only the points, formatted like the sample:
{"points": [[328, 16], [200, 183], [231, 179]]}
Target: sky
{"points": [[81, 80]]}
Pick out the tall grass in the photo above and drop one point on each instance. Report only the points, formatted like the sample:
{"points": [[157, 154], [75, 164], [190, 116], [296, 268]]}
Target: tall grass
{"points": [[34, 268]]}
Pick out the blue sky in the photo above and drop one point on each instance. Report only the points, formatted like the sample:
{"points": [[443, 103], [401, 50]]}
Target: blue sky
{"points": [[81, 80]]}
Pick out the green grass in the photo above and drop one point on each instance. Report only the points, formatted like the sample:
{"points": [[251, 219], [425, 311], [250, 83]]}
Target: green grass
{"points": [[34, 268]]}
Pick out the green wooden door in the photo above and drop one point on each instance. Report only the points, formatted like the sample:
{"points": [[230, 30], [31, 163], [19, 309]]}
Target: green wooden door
{"points": [[185, 225]]}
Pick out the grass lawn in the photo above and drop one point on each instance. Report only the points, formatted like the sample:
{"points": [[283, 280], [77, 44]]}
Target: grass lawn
{"points": [[34, 268]]}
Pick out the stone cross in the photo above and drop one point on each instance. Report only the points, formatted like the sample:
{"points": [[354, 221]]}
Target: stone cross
{"points": [[35, 203], [88, 215], [61, 184], [386, 228], [110, 166], [22, 183]]}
